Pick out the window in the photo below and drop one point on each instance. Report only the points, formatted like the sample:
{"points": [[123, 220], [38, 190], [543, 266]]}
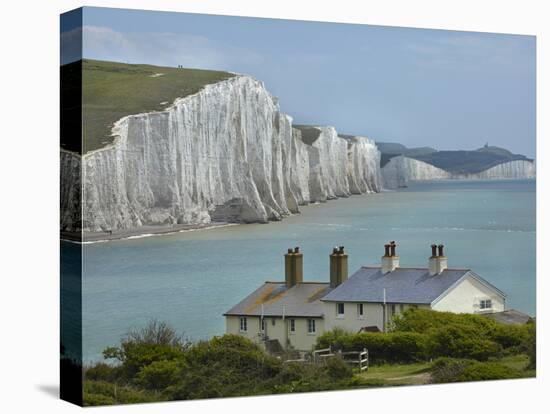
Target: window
{"points": [[393, 309], [485, 304], [401, 308], [360, 310], [262, 324], [292, 325], [311, 326], [243, 327], [339, 309]]}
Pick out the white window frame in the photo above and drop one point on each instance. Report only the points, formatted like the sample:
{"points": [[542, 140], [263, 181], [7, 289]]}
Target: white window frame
{"points": [[360, 311], [262, 324], [292, 326], [243, 324], [310, 325], [338, 314], [483, 304]]}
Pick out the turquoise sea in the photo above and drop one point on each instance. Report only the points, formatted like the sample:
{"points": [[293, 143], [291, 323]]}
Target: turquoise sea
{"points": [[190, 279]]}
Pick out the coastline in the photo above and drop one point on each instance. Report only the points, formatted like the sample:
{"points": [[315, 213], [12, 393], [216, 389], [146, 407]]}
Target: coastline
{"points": [[138, 232]]}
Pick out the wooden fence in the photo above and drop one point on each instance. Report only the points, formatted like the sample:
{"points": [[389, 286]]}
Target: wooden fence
{"points": [[357, 359]]}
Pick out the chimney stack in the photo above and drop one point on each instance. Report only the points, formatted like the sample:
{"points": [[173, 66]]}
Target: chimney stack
{"points": [[390, 260], [294, 267], [437, 262], [338, 266]]}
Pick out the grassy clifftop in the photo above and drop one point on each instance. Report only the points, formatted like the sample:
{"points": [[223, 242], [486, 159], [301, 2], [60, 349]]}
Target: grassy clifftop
{"points": [[112, 90]]}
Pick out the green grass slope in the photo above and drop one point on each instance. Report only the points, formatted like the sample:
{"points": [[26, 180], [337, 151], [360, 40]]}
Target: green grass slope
{"points": [[468, 162], [112, 90]]}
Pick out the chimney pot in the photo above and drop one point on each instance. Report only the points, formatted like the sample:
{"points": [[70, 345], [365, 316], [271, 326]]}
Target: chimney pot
{"points": [[294, 267], [437, 263], [392, 248], [390, 261], [338, 266]]}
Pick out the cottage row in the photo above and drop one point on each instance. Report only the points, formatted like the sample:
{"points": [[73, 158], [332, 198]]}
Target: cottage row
{"points": [[294, 313]]}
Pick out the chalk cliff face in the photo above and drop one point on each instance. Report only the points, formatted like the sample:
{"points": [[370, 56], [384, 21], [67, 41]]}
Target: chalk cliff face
{"points": [[517, 169], [226, 153], [364, 165], [400, 170]]}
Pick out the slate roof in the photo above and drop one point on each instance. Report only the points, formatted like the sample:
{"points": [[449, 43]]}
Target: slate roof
{"points": [[303, 299], [403, 285], [509, 317]]}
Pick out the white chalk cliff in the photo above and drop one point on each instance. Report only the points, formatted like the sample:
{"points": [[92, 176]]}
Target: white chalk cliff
{"points": [[224, 154], [400, 170], [511, 170]]}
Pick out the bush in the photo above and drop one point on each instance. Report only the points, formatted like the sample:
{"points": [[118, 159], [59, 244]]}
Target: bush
{"points": [[225, 366], [425, 320], [445, 370], [510, 336], [140, 348], [529, 346], [337, 369], [102, 372], [456, 343], [103, 393], [159, 375], [391, 347], [478, 371]]}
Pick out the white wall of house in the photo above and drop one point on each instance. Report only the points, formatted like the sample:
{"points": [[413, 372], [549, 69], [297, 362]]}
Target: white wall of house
{"points": [[351, 321], [373, 315], [276, 328], [466, 297]]}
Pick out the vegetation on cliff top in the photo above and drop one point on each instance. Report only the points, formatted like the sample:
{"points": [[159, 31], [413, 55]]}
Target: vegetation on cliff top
{"points": [[112, 90]]}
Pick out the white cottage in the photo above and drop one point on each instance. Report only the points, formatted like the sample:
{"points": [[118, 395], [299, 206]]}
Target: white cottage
{"points": [[294, 313]]}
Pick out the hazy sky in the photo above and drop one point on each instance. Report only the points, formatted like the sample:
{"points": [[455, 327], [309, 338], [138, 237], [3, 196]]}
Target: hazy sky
{"points": [[446, 89]]}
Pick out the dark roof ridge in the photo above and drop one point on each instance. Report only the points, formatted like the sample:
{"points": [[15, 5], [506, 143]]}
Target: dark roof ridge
{"points": [[417, 268], [299, 283]]}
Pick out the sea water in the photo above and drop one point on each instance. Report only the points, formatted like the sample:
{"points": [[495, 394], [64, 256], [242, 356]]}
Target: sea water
{"points": [[190, 279]]}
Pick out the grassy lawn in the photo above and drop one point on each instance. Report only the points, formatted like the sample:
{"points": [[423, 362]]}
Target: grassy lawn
{"points": [[113, 90], [416, 374], [398, 374]]}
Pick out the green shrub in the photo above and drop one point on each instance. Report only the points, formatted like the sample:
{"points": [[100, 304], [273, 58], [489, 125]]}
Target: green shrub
{"points": [[337, 369], [390, 347], [424, 320], [229, 365], [104, 393], [529, 346], [510, 336], [456, 343], [155, 342], [102, 372], [159, 375], [445, 370], [479, 371]]}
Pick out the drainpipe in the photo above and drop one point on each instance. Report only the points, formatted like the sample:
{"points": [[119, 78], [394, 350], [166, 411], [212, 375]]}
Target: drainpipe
{"points": [[285, 327], [384, 312]]}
